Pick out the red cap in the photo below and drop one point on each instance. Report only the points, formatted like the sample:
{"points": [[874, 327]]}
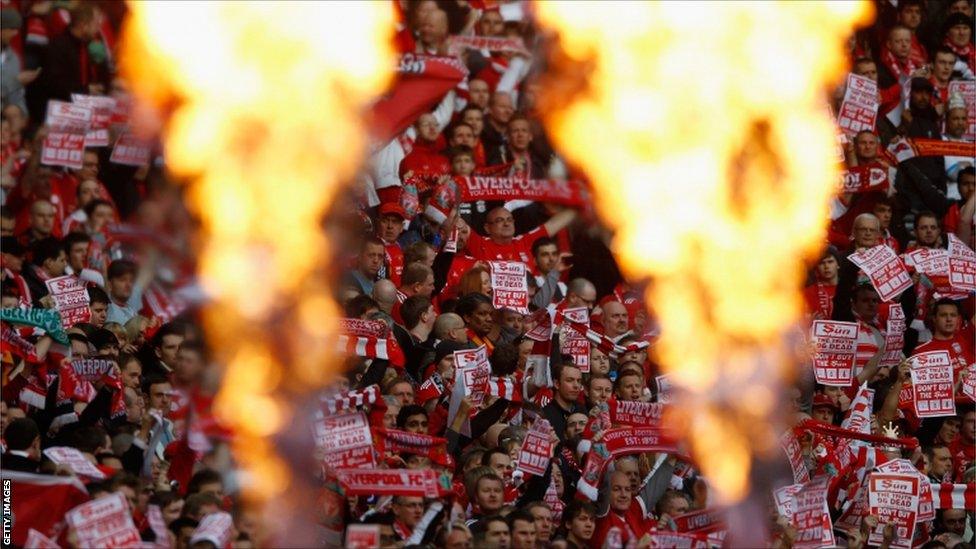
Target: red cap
{"points": [[393, 208], [821, 400]]}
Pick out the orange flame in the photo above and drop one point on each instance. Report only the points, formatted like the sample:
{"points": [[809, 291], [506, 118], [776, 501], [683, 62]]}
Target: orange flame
{"points": [[265, 102], [703, 129]]}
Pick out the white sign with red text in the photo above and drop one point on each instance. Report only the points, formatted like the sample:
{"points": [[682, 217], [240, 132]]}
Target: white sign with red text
{"points": [[893, 498], [129, 150], [573, 343], [75, 460], [363, 536], [64, 144], [933, 384], [811, 516], [472, 370], [346, 440], [536, 450], [509, 286], [70, 299], [926, 509], [962, 265], [104, 522], [885, 269], [969, 382], [836, 345], [102, 107], [859, 110]]}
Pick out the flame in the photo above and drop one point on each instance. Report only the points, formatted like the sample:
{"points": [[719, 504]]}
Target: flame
{"points": [[264, 104], [703, 128]]}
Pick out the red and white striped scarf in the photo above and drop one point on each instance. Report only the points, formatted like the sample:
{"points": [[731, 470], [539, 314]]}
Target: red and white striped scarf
{"points": [[351, 400], [372, 347], [602, 342], [162, 304], [899, 69], [954, 496], [505, 387]]}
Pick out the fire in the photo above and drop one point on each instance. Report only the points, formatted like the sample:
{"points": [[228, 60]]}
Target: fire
{"points": [[704, 130], [264, 106]]}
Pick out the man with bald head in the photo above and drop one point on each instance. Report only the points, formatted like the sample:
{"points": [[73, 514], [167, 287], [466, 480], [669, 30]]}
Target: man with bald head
{"points": [[500, 111], [580, 293], [503, 245], [616, 321], [384, 294], [41, 222], [450, 327]]}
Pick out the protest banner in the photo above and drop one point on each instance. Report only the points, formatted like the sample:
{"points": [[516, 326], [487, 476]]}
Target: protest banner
{"points": [[362, 536], [509, 286], [836, 346], [346, 440], [885, 269], [536, 451], [962, 265], [216, 528], [425, 483], [91, 369], [665, 394], [37, 540], [64, 144], [966, 89], [70, 299], [969, 382], [102, 107], [471, 371], [785, 499], [859, 109], [573, 343], [794, 453], [893, 498], [926, 509], [932, 383], [894, 338], [811, 516], [863, 179], [129, 150], [74, 460], [104, 522]]}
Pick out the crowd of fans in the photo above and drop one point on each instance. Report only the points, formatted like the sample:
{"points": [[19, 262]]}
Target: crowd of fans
{"points": [[417, 278]]}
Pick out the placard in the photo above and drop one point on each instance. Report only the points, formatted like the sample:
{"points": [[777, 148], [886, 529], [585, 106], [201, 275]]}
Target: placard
{"points": [[794, 453], [129, 150], [665, 394], [472, 370], [64, 144], [70, 299], [362, 536], [969, 382], [811, 516], [836, 349], [894, 338], [962, 265], [536, 451], [933, 384], [215, 527], [346, 439], [885, 269], [893, 498], [967, 90], [75, 460], [859, 109], [102, 107], [509, 286], [104, 522], [573, 343], [926, 508]]}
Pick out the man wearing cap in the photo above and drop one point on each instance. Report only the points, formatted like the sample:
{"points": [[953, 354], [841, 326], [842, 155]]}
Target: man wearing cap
{"points": [[824, 408], [12, 78], [959, 38], [388, 229]]}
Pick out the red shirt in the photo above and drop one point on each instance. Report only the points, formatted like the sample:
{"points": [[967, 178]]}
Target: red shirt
{"points": [[819, 298], [616, 530], [962, 456], [425, 158], [394, 262], [519, 249]]}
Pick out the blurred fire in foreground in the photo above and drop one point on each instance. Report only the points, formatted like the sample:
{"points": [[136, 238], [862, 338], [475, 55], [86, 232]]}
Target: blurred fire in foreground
{"points": [[263, 111], [717, 189]]}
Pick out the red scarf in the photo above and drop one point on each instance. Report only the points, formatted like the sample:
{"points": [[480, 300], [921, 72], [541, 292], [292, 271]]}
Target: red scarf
{"points": [[967, 53], [402, 442], [899, 69]]}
